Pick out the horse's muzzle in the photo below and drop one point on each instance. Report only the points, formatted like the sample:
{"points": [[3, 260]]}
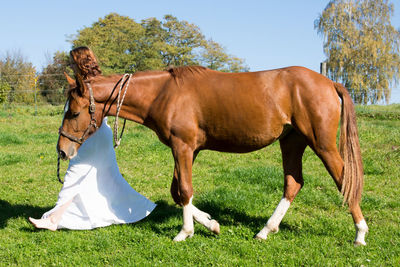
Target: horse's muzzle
{"points": [[62, 155]]}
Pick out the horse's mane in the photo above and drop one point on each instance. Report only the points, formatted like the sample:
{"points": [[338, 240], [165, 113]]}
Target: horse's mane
{"points": [[180, 73]]}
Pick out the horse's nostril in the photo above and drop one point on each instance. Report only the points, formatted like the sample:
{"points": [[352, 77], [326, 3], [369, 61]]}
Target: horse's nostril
{"points": [[62, 154]]}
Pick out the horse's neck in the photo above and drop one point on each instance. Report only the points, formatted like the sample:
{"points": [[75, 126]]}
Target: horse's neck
{"points": [[143, 89]]}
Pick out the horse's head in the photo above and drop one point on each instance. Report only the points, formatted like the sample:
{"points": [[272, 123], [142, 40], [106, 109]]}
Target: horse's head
{"points": [[81, 118]]}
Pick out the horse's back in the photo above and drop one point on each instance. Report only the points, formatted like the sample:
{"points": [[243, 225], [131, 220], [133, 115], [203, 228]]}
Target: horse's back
{"points": [[266, 97]]}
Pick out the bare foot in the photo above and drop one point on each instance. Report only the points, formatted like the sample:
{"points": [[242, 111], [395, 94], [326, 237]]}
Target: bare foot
{"points": [[44, 224]]}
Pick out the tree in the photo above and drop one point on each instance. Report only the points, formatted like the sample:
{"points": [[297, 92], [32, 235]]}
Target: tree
{"points": [[153, 44], [122, 45], [18, 75], [213, 56], [362, 47], [180, 39], [52, 83], [115, 40]]}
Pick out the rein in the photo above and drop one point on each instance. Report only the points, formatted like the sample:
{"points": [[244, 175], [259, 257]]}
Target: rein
{"points": [[58, 169], [127, 78]]}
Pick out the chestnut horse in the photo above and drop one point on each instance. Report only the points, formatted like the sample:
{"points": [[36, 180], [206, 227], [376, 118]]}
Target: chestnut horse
{"points": [[195, 108]]}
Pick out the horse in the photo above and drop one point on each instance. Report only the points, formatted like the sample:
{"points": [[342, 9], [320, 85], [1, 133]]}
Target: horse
{"points": [[194, 108]]}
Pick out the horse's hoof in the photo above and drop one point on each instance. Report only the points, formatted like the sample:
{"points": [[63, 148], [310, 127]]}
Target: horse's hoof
{"points": [[263, 234], [183, 235], [215, 227], [359, 243], [260, 237]]}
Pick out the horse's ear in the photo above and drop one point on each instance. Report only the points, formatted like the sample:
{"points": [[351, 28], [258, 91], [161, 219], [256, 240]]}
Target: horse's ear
{"points": [[71, 81]]}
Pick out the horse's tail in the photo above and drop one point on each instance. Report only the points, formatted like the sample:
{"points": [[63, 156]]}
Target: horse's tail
{"points": [[349, 147]]}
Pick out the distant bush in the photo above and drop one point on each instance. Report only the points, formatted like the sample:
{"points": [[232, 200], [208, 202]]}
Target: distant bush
{"points": [[5, 88]]}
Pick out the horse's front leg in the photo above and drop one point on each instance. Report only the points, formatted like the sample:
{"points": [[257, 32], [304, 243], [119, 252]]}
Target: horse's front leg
{"points": [[198, 215], [183, 155], [205, 219]]}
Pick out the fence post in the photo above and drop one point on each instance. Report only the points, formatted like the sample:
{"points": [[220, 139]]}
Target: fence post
{"points": [[35, 95], [322, 68]]}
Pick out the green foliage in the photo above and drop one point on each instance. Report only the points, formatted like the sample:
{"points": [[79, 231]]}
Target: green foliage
{"points": [[123, 45], [213, 56], [151, 54], [239, 190], [5, 89], [115, 40], [19, 75], [362, 47], [52, 82], [180, 39]]}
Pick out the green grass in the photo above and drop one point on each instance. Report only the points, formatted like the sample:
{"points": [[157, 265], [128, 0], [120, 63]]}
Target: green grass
{"points": [[240, 191]]}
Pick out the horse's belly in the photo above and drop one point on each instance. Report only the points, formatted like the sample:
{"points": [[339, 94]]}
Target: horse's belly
{"points": [[243, 135], [240, 143]]}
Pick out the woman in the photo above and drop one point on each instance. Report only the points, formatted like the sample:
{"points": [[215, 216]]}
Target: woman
{"points": [[94, 193]]}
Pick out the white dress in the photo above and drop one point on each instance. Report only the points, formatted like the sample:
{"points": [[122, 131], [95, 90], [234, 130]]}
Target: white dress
{"points": [[100, 194]]}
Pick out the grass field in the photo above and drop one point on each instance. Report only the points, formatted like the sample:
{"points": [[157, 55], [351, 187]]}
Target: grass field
{"points": [[240, 191]]}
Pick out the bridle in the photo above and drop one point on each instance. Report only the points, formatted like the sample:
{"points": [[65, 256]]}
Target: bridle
{"points": [[92, 124]]}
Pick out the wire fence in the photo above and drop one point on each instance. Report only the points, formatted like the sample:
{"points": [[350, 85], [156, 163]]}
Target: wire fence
{"points": [[31, 83], [31, 90]]}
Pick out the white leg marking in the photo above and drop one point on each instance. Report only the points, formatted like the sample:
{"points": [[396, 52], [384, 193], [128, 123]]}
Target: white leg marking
{"points": [[274, 221], [361, 230], [187, 228], [205, 219]]}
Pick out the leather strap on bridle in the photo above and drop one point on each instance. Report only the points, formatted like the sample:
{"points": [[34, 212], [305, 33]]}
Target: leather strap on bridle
{"points": [[92, 124]]}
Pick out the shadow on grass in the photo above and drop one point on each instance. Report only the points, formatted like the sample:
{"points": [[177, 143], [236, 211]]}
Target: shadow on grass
{"points": [[157, 221], [163, 212], [227, 215], [9, 211]]}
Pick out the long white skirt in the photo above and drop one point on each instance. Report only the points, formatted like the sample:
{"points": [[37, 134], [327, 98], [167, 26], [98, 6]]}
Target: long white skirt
{"points": [[100, 195]]}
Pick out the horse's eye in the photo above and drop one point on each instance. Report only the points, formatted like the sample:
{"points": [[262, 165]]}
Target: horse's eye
{"points": [[75, 114]]}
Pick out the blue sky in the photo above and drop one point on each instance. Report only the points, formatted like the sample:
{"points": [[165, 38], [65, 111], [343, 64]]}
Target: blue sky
{"points": [[267, 34]]}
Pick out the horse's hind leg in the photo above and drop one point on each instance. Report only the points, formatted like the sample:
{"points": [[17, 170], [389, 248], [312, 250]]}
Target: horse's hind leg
{"points": [[292, 146], [334, 164]]}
